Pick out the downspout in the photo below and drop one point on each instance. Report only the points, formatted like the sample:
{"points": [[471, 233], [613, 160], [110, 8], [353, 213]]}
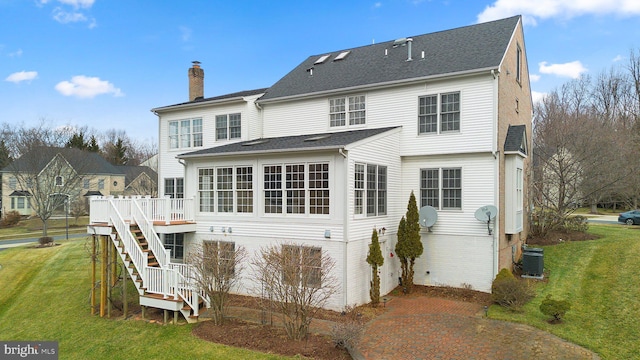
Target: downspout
{"points": [[496, 164], [259, 107], [345, 237]]}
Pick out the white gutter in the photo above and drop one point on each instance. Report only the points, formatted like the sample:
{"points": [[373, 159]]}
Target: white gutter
{"points": [[197, 104], [380, 85]]}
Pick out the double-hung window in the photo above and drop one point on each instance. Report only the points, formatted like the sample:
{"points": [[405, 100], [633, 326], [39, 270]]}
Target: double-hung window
{"points": [[174, 188], [222, 257], [441, 188], [305, 189], [185, 133], [302, 266], [226, 189], [434, 117], [175, 243], [347, 110], [370, 189], [228, 126]]}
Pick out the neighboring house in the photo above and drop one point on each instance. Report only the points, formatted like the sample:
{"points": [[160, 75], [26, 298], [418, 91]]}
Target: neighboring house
{"points": [[139, 180], [335, 147], [49, 171]]}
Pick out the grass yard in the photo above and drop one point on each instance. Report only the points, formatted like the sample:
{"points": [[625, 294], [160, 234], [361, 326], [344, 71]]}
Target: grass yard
{"points": [[45, 296], [601, 279], [33, 228]]}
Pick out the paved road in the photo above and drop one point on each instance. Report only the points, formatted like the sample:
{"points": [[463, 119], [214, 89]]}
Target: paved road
{"points": [[18, 242], [603, 219]]}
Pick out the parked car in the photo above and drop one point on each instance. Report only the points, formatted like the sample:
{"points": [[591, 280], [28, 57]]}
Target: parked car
{"points": [[630, 217]]}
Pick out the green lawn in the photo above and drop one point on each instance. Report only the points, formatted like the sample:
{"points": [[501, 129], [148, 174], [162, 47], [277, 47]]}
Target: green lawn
{"points": [[601, 279], [45, 296], [33, 228]]}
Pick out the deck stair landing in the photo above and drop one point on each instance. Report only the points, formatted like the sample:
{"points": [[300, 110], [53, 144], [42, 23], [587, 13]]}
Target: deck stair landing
{"points": [[160, 283]]}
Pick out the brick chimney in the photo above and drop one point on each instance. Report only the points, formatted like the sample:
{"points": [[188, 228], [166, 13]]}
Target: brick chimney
{"points": [[196, 81]]}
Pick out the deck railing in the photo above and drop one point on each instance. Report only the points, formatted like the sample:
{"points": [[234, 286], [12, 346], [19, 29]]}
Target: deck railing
{"points": [[139, 258], [162, 255], [170, 279], [165, 210]]}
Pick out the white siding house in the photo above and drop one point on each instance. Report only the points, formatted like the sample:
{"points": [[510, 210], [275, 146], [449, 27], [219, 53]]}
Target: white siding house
{"points": [[334, 148]]}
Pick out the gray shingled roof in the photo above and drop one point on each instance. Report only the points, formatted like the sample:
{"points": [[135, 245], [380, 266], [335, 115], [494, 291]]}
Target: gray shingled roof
{"points": [[217, 98], [289, 143], [515, 136], [131, 172], [85, 162], [475, 47]]}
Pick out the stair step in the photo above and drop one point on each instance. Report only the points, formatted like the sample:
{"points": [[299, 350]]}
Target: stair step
{"points": [[153, 263]]}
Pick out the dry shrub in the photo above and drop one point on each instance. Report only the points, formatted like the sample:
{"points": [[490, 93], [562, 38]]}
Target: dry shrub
{"points": [[509, 292], [10, 218], [347, 334]]}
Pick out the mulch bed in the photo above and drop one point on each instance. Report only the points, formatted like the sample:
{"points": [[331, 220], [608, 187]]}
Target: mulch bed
{"points": [[268, 339], [558, 237]]}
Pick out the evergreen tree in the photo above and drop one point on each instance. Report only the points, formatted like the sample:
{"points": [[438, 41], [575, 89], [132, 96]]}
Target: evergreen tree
{"points": [[116, 153], [93, 144], [77, 141], [409, 245], [375, 259], [5, 155]]}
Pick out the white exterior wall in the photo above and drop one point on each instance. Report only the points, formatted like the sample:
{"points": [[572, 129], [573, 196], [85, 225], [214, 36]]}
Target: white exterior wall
{"points": [[458, 250], [398, 106], [168, 165], [384, 150]]}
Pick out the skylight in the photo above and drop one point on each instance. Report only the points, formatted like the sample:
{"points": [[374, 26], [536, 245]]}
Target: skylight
{"points": [[322, 59], [342, 55]]}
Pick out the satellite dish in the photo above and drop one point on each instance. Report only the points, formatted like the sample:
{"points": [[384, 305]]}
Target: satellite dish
{"points": [[486, 214], [428, 216]]}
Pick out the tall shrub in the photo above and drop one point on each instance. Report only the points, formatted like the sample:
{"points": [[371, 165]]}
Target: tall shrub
{"points": [[375, 259], [409, 246]]}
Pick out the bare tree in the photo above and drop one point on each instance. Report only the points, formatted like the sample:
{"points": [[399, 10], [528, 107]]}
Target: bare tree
{"points": [[218, 265], [50, 178], [300, 281]]}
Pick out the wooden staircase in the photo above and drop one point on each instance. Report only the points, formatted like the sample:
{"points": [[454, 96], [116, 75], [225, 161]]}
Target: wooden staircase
{"points": [[173, 301]]}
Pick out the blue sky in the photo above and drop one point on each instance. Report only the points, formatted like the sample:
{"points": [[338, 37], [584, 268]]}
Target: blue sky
{"points": [[105, 63]]}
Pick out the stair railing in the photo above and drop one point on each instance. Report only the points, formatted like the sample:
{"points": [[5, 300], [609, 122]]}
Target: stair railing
{"points": [[162, 255], [131, 246]]}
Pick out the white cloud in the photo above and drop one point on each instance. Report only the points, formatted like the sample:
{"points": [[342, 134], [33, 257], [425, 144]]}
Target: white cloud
{"points": [[87, 87], [545, 9], [21, 76], [186, 33], [618, 58], [377, 5], [78, 3], [534, 77], [64, 17], [16, 53], [571, 69], [537, 96]]}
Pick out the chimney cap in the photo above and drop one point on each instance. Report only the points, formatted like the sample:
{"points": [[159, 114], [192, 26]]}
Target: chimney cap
{"points": [[196, 63]]}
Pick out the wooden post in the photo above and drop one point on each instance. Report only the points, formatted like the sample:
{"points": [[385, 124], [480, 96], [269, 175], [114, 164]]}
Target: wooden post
{"points": [[103, 276], [93, 274], [166, 316], [109, 250], [125, 305], [114, 265], [144, 311], [175, 318]]}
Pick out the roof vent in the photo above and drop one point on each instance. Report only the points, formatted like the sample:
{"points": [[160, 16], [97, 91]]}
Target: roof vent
{"points": [[255, 142], [317, 137]]}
